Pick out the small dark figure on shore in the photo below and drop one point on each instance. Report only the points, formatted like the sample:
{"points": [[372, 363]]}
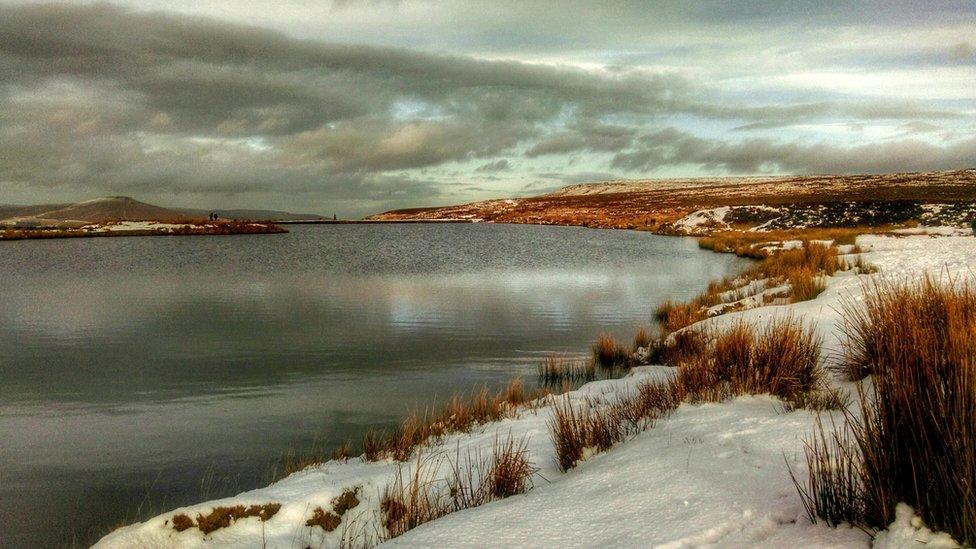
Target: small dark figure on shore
{"points": [[334, 218], [972, 224]]}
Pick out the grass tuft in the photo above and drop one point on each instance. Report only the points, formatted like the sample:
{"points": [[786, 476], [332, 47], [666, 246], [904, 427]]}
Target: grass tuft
{"points": [[421, 497], [554, 370], [222, 517], [326, 520], [914, 440], [608, 353]]}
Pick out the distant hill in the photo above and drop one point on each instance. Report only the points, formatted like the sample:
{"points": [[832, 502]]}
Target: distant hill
{"points": [[123, 208], [7, 212], [114, 208]]}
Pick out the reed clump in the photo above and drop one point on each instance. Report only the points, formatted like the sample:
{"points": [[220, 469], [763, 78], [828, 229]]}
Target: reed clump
{"points": [[555, 369], [590, 427], [422, 495], [914, 440], [608, 353]]}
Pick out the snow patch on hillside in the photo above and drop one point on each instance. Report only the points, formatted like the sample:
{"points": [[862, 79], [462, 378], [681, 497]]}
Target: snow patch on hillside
{"points": [[711, 218]]}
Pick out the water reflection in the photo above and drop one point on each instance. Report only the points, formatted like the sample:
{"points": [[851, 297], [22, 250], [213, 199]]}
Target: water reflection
{"points": [[135, 364]]}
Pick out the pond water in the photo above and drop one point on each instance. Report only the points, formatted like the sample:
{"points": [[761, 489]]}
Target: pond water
{"points": [[141, 374]]}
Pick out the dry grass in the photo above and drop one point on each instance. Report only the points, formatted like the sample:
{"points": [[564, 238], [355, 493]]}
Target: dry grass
{"points": [[751, 243], [555, 369], [915, 438], [805, 285], [822, 399], [682, 347], [459, 414], [410, 501], [609, 354], [577, 430], [803, 268], [642, 339], [222, 517], [674, 316], [330, 520], [833, 491], [781, 358], [510, 472], [326, 520], [341, 452], [182, 522]]}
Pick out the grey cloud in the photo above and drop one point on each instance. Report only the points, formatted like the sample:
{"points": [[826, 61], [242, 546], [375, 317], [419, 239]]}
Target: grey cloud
{"points": [[104, 99], [496, 166], [585, 136], [381, 146], [673, 147]]}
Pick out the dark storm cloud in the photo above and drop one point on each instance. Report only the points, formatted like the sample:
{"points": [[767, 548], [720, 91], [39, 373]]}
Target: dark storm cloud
{"points": [[585, 136], [103, 99], [673, 147]]}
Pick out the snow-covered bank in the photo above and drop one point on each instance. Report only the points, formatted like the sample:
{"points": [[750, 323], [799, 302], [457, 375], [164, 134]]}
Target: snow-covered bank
{"points": [[712, 474]]}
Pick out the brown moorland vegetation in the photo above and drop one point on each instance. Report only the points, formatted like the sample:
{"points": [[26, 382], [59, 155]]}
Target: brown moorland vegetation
{"points": [[656, 205], [780, 358]]}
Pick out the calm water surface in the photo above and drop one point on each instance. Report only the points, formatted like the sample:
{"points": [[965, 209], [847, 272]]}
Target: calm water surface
{"points": [[140, 374]]}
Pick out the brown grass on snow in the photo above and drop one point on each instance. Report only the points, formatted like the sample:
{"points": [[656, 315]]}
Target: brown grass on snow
{"points": [[915, 438], [422, 496], [222, 517], [593, 426], [781, 358], [802, 268], [457, 415]]}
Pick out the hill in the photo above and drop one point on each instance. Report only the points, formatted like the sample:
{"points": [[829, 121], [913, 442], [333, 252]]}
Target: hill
{"points": [[115, 208], [698, 205], [123, 208]]}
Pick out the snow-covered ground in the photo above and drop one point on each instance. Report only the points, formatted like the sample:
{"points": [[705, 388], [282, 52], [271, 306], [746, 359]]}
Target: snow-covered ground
{"points": [[709, 475], [118, 226]]}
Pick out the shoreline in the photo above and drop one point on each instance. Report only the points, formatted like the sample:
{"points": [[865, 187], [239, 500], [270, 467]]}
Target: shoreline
{"points": [[123, 229], [317, 485]]}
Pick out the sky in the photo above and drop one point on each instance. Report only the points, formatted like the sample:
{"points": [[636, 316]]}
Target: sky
{"points": [[360, 106]]}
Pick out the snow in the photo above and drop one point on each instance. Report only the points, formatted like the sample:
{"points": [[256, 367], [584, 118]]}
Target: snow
{"points": [[708, 475], [935, 231], [700, 218], [136, 226], [908, 531]]}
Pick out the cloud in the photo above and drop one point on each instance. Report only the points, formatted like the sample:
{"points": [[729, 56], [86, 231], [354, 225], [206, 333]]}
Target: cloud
{"points": [[103, 99], [672, 147], [496, 166]]}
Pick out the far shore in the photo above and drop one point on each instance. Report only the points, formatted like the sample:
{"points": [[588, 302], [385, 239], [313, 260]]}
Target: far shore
{"points": [[145, 228]]}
